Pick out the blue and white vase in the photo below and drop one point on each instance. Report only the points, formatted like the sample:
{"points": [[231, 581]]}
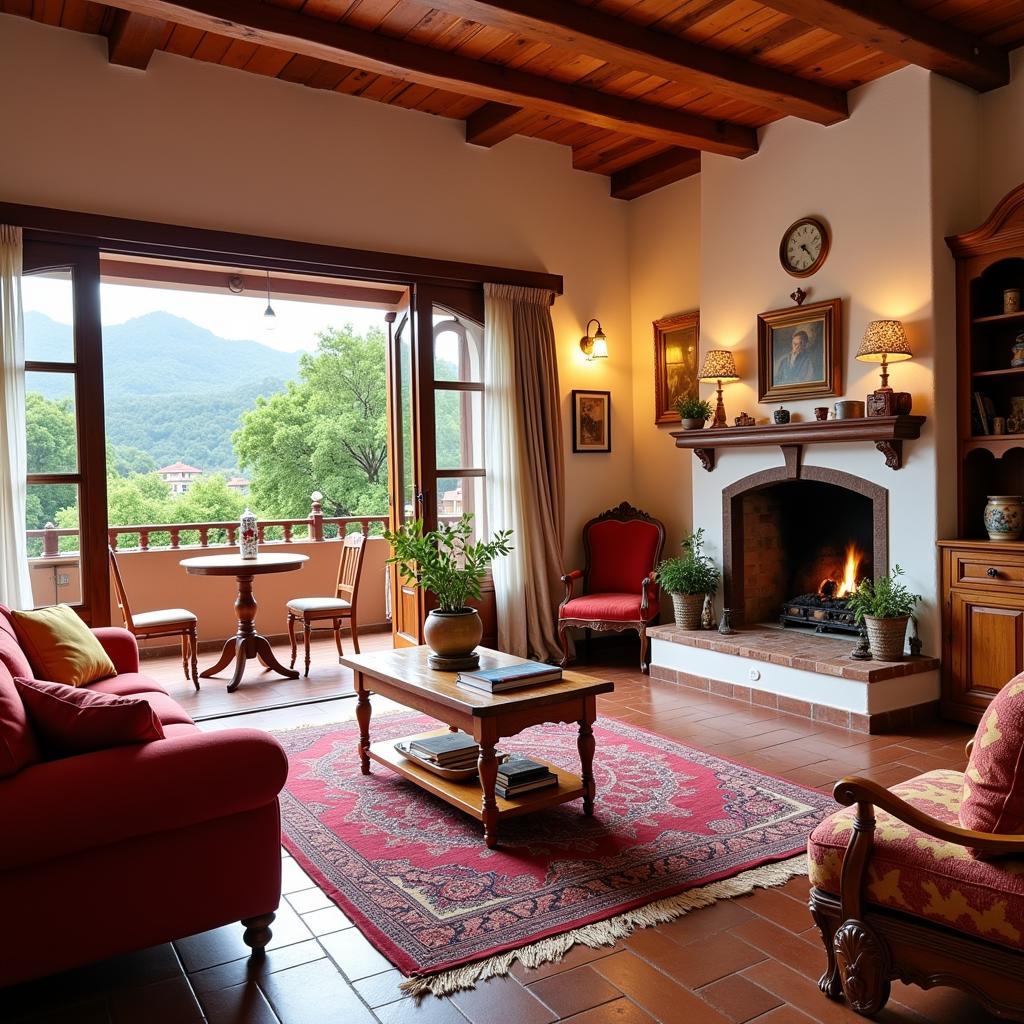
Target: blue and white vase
{"points": [[1004, 517], [248, 543]]}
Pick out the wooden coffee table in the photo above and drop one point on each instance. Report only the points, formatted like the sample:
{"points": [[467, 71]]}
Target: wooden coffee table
{"points": [[403, 676]]}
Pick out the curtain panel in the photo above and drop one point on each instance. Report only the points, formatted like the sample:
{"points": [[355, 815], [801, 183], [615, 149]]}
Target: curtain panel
{"points": [[15, 585], [525, 472]]}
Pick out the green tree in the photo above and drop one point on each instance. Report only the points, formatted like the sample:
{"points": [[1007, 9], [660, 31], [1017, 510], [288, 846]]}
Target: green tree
{"points": [[124, 460], [52, 448], [326, 432]]}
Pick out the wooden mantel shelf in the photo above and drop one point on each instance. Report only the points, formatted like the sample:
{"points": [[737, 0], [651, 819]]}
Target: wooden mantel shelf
{"points": [[886, 432]]}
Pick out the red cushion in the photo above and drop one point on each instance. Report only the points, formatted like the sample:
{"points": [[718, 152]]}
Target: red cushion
{"points": [[608, 607], [11, 653], [18, 747], [993, 796], [621, 555], [72, 720], [126, 685]]}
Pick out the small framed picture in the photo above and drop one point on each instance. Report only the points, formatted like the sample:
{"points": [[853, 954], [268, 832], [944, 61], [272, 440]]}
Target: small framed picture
{"points": [[676, 344], [591, 421], [799, 352]]}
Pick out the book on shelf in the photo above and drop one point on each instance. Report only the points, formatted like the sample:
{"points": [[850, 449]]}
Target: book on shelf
{"points": [[509, 677], [508, 792], [518, 770], [982, 414]]}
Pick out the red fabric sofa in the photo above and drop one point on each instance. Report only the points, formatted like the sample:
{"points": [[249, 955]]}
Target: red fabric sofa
{"points": [[119, 849]]}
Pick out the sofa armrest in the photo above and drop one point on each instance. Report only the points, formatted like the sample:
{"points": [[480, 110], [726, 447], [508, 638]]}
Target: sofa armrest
{"points": [[121, 646], [57, 808]]}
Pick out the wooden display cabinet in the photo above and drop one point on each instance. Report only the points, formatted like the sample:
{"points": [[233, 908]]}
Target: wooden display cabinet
{"points": [[983, 580]]}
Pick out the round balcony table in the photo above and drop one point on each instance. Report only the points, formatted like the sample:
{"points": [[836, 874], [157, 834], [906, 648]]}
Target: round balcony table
{"points": [[246, 643]]}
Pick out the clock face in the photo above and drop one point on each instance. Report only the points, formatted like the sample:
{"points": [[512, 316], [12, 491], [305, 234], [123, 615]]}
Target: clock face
{"points": [[804, 247]]}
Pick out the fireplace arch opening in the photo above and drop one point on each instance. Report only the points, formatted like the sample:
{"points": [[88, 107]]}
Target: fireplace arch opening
{"points": [[795, 545]]}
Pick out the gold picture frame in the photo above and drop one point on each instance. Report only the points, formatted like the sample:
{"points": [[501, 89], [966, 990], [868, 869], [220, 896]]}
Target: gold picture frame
{"points": [[676, 351], [799, 352]]}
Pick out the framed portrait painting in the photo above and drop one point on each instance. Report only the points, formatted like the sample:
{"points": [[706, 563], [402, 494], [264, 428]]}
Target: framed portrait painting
{"points": [[799, 352], [591, 421], [676, 346]]}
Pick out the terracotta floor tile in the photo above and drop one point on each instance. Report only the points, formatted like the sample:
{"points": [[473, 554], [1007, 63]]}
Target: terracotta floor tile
{"points": [[781, 909], [701, 961], [380, 989], [354, 954], [427, 1011], [165, 1002], [806, 957], [246, 969], [314, 993], [658, 994], [785, 1015], [502, 1001], [718, 917], [738, 999], [242, 1004], [572, 992], [576, 957], [622, 1011]]}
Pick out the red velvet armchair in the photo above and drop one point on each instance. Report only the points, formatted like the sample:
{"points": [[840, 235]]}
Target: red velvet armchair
{"points": [[622, 547]]}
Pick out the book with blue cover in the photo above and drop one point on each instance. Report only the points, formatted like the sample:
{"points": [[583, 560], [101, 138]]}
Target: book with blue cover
{"points": [[509, 677]]}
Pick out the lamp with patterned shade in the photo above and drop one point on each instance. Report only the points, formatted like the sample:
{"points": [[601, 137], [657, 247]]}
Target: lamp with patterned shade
{"points": [[885, 342], [719, 368]]}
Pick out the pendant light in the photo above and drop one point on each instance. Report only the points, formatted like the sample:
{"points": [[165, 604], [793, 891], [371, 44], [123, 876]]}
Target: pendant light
{"points": [[269, 316]]}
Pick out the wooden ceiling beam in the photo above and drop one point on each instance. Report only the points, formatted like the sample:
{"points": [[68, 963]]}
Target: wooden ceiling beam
{"points": [[132, 39], [655, 172], [337, 43], [609, 38], [906, 34], [495, 122]]}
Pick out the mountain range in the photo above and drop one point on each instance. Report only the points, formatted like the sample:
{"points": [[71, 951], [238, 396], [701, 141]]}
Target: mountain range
{"points": [[171, 388]]}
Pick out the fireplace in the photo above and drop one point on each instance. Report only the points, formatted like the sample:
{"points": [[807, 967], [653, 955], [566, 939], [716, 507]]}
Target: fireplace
{"points": [[795, 545]]}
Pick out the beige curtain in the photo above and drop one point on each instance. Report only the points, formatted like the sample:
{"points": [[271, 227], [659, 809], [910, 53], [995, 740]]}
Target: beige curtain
{"points": [[15, 586], [525, 473]]}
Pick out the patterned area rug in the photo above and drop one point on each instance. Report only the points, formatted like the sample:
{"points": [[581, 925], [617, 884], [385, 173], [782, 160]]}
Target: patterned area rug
{"points": [[675, 828]]}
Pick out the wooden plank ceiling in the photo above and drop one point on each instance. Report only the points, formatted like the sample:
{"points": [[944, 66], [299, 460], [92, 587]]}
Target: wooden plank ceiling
{"points": [[637, 88]]}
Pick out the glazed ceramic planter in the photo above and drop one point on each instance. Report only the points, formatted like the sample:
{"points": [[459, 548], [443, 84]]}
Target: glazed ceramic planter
{"points": [[1004, 517], [453, 634], [886, 637], [693, 424], [688, 609]]}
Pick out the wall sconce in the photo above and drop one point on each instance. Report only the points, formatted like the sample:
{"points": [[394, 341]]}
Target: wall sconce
{"points": [[594, 346]]}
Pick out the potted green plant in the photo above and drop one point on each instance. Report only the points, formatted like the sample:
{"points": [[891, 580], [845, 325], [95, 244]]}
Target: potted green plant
{"points": [[885, 606], [448, 564], [689, 578], [694, 412]]}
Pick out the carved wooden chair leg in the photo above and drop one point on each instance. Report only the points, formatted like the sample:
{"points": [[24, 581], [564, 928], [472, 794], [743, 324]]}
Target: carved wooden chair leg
{"points": [[337, 637], [863, 964], [645, 644], [306, 629], [193, 644], [291, 638], [355, 633], [257, 932], [564, 641], [829, 982], [184, 654]]}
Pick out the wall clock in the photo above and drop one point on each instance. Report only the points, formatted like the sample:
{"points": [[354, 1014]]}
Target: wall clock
{"points": [[804, 247]]}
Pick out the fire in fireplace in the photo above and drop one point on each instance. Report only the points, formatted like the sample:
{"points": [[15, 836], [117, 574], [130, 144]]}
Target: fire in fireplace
{"points": [[826, 608]]}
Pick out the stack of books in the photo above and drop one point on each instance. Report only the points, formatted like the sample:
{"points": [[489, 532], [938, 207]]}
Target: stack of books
{"points": [[511, 677], [520, 775], [451, 750]]}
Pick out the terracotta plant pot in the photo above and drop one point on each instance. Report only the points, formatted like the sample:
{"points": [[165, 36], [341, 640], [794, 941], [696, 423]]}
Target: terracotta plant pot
{"points": [[693, 424], [688, 608], [453, 634], [886, 637]]}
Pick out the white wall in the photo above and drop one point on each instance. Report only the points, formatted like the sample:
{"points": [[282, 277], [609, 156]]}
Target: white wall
{"points": [[1001, 140], [206, 146]]}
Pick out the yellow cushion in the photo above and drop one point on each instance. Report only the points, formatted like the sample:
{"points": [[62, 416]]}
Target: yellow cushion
{"points": [[60, 646]]}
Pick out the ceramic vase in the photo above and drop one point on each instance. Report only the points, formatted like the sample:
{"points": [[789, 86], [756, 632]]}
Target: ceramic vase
{"points": [[453, 637], [1004, 516], [248, 542], [1017, 358]]}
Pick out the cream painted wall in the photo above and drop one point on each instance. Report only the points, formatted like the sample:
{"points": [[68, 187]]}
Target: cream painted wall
{"points": [[1002, 143], [880, 265], [207, 146], [664, 275]]}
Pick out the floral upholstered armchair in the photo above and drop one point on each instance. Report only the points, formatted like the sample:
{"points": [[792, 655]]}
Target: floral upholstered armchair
{"points": [[925, 882], [617, 590]]}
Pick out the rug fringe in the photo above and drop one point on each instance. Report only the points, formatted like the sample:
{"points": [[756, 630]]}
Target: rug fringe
{"points": [[605, 933]]}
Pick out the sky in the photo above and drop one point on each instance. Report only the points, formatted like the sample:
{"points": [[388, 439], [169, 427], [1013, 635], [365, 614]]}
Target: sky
{"points": [[239, 317]]}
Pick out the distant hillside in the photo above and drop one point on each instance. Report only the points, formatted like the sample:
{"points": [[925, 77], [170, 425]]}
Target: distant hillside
{"points": [[172, 388], [163, 354]]}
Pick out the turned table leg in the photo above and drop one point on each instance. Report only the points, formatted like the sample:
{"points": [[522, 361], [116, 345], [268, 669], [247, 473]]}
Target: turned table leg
{"points": [[585, 744], [488, 769], [363, 718]]}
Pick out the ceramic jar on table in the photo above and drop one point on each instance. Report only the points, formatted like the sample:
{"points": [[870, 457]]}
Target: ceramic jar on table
{"points": [[1004, 517]]}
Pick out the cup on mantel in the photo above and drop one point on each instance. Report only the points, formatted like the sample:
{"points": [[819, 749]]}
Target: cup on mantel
{"points": [[821, 412]]}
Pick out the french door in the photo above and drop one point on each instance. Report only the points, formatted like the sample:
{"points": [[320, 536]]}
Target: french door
{"points": [[66, 480], [436, 406]]}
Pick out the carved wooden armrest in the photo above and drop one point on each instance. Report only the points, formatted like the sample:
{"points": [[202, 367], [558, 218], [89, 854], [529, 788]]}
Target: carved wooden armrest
{"points": [[867, 794], [569, 579], [645, 587]]}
